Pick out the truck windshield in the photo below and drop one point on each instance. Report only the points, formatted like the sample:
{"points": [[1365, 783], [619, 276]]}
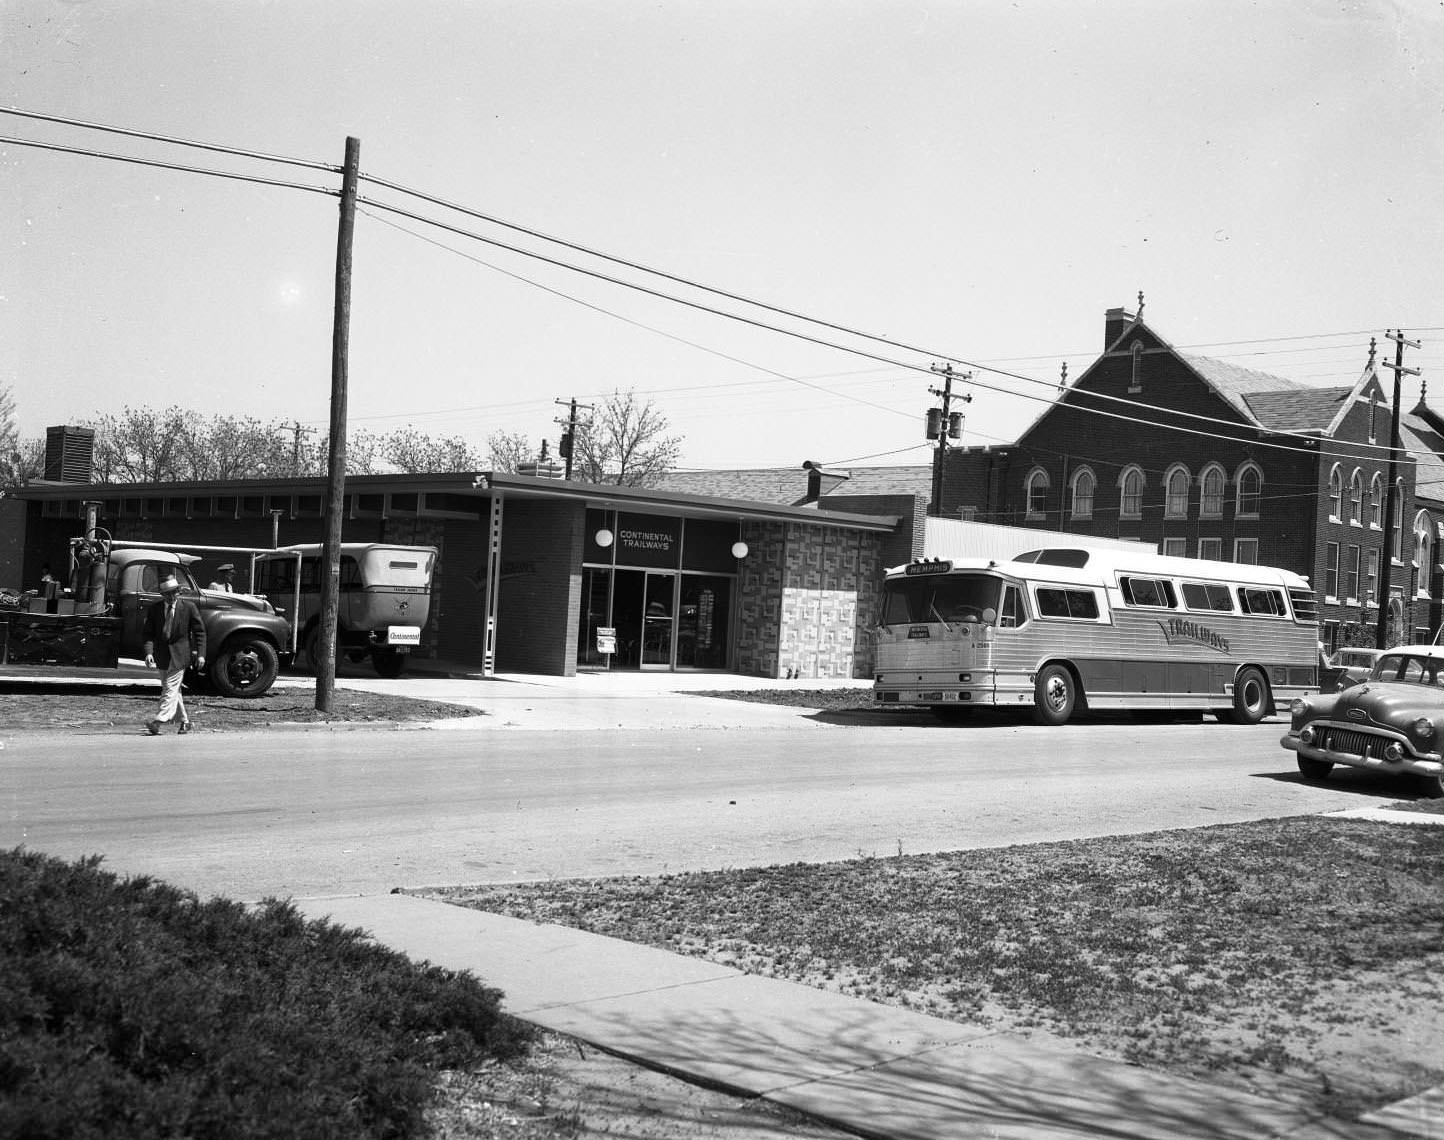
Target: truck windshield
{"points": [[951, 598]]}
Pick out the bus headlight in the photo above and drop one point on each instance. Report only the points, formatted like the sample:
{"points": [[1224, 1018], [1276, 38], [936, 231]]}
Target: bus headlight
{"points": [[1423, 728]]}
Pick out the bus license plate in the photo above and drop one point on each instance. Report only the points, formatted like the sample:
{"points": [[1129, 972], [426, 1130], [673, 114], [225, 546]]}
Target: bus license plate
{"points": [[403, 635]]}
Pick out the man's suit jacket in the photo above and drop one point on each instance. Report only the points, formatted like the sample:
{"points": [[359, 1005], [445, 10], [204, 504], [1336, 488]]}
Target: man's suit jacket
{"points": [[187, 636]]}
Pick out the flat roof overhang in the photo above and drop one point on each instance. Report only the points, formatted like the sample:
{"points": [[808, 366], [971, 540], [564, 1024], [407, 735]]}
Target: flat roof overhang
{"points": [[480, 484]]}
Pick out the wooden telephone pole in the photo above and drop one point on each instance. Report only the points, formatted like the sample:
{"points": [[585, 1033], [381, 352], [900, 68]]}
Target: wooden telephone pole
{"points": [[1381, 628], [336, 498]]}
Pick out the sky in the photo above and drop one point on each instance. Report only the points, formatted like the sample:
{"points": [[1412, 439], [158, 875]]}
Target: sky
{"points": [[969, 181]]}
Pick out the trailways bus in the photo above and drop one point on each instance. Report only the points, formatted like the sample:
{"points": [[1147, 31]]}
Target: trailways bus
{"points": [[1071, 629]]}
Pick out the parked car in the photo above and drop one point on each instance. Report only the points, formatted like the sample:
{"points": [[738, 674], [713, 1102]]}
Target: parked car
{"points": [[1392, 721], [1347, 667]]}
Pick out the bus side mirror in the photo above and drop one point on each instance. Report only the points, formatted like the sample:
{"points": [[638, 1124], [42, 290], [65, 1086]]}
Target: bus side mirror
{"points": [[990, 615]]}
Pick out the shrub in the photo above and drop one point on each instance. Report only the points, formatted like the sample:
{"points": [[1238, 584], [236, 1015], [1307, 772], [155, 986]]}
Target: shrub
{"points": [[129, 1008]]}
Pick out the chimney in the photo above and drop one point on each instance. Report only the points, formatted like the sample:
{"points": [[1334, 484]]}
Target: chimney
{"points": [[1115, 324], [70, 455], [815, 476]]}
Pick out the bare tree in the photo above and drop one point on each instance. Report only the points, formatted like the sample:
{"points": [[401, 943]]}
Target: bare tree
{"points": [[507, 451], [415, 452], [141, 445], [625, 442], [224, 447], [21, 460]]}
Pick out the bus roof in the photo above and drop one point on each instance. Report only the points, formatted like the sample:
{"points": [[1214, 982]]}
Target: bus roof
{"points": [[1098, 565]]}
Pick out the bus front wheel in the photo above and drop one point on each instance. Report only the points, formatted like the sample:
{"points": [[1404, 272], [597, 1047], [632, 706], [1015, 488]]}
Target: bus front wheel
{"points": [[1250, 698], [1054, 695]]}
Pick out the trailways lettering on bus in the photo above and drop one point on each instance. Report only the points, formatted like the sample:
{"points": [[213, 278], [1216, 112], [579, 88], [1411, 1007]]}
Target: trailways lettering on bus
{"points": [[1180, 630]]}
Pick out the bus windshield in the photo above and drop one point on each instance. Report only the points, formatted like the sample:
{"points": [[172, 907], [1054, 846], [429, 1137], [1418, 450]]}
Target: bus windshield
{"points": [[951, 598]]}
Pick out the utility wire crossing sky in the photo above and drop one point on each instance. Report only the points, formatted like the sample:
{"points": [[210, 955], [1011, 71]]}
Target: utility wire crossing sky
{"points": [[799, 220]]}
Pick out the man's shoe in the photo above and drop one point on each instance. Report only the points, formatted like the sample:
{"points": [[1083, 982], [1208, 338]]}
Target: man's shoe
{"points": [[184, 728], [153, 727]]}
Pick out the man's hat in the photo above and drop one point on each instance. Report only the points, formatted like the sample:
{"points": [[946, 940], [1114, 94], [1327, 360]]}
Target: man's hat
{"points": [[168, 584], [224, 567]]}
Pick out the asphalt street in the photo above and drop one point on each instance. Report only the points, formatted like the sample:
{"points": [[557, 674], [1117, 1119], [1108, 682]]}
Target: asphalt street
{"points": [[301, 812]]}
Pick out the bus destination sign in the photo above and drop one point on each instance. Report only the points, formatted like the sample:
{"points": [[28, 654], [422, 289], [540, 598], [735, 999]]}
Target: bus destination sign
{"points": [[916, 568]]}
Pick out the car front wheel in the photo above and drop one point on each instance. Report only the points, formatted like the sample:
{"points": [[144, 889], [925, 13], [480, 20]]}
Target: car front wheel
{"points": [[1316, 770]]}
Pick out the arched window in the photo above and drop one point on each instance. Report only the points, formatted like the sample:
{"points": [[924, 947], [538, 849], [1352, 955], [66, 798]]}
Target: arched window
{"points": [[1423, 552], [1398, 552], [1376, 502], [1336, 493], [1037, 490], [1210, 499], [1250, 491], [1176, 484], [1356, 497], [1083, 484], [1130, 487]]}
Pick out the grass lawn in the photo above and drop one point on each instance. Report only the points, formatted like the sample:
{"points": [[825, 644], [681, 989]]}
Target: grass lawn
{"points": [[1297, 958]]}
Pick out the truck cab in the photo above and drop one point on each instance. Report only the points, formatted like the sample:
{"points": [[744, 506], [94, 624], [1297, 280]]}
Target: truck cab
{"points": [[246, 640]]}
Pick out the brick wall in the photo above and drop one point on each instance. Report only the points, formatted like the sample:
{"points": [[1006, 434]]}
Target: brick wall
{"points": [[541, 586]]}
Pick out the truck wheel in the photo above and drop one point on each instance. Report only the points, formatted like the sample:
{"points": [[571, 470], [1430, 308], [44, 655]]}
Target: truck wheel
{"points": [[1054, 695], [246, 666], [1250, 698], [388, 662]]}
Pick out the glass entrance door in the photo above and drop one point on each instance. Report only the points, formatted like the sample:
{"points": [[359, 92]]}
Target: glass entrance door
{"points": [[658, 624]]}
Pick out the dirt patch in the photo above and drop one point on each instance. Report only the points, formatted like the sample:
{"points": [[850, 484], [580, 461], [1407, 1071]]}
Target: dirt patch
{"points": [[1296, 959], [565, 1089]]}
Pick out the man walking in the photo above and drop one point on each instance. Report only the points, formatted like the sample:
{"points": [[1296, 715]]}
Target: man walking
{"points": [[174, 636]]}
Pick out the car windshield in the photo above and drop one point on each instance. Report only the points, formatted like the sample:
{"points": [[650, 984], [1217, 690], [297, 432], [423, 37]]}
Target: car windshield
{"points": [[1410, 668]]}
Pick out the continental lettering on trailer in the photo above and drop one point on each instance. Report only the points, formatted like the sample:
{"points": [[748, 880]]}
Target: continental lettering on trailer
{"points": [[916, 568], [1181, 631]]}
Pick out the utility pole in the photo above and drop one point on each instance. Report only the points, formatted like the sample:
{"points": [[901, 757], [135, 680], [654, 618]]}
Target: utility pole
{"points": [[942, 425], [336, 501], [297, 431], [569, 437], [1381, 628]]}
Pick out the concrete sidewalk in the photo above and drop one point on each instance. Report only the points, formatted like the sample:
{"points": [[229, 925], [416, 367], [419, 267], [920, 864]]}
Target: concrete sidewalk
{"points": [[872, 1069], [590, 701]]}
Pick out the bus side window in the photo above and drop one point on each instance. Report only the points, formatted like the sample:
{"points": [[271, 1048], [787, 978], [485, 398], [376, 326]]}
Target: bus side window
{"points": [[1013, 614], [1060, 603], [1153, 592], [1207, 596], [1260, 601]]}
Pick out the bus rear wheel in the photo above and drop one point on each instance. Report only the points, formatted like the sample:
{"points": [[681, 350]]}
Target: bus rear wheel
{"points": [[1054, 695], [1250, 698]]}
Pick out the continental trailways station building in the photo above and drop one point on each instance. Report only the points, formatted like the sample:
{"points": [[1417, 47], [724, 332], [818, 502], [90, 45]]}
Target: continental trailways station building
{"points": [[534, 572]]}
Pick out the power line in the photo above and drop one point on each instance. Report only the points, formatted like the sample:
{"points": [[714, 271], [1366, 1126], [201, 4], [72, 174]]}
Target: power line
{"points": [[176, 166], [627, 320], [660, 295], [330, 168], [866, 354]]}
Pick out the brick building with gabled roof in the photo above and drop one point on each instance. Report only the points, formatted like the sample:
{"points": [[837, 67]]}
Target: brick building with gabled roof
{"points": [[1210, 460]]}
